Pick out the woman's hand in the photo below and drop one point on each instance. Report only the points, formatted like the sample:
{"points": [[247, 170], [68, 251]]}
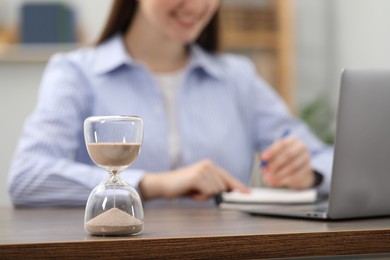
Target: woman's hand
{"points": [[288, 164], [200, 181]]}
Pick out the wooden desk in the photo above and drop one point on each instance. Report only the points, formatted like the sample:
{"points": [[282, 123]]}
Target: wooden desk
{"points": [[188, 233]]}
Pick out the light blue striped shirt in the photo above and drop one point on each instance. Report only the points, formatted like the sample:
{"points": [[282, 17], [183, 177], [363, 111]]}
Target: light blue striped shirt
{"points": [[225, 113]]}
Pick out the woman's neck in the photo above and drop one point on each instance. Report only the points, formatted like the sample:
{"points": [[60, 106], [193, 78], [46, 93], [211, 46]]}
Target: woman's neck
{"points": [[157, 52]]}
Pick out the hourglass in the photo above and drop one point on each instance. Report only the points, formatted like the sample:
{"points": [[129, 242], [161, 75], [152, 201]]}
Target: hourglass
{"points": [[113, 207]]}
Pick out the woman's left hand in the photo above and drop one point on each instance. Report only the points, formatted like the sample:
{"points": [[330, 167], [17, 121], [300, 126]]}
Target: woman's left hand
{"points": [[288, 164]]}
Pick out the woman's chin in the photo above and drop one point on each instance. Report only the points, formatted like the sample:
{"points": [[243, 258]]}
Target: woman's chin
{"points": [[186, 39]]}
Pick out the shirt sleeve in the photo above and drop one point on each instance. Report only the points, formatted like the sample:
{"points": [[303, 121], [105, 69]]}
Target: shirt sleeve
{"points": [[44, 171], [269, 117]]}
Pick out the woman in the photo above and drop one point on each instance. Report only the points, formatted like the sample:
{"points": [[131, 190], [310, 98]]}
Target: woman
{"points": [[205, 114]]}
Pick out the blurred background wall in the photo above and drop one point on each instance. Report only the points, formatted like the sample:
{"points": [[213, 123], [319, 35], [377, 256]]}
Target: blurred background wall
{"points": [[327, 36]]}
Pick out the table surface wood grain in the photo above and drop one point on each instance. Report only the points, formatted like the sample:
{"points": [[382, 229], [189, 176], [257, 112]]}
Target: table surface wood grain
{"points": [[188, 233]]}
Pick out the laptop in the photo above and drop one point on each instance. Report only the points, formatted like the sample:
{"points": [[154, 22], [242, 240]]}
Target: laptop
{"points": [[360, 185]]}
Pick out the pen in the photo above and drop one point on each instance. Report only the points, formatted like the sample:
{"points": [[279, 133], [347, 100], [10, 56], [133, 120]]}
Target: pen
{"points": [[265, 163]]}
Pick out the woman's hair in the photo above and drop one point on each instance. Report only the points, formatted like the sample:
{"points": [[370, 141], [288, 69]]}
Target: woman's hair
{"points": [[122, 14]]}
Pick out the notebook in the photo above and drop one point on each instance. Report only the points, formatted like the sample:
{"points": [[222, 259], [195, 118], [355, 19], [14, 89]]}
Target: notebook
{"points": [[361, 168], [268, 195]]}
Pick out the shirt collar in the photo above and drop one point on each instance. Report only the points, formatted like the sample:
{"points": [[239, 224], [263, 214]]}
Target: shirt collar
{"points": [[112, 54], [205, 61]]}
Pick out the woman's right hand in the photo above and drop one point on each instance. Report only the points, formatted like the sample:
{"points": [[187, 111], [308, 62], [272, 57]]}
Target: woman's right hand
{"points": [[200, 181]]}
